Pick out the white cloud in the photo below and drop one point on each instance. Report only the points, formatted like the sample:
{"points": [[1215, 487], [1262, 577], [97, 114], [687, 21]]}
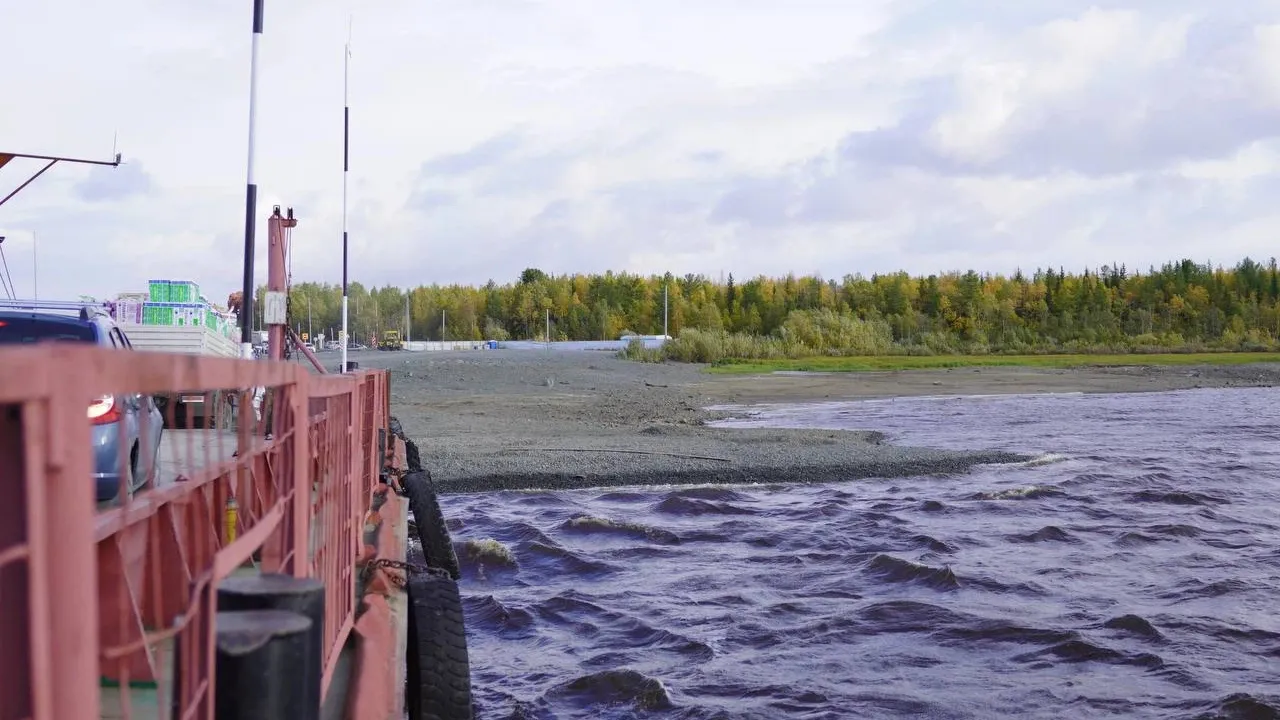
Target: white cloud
{"points": [[581, 135]]}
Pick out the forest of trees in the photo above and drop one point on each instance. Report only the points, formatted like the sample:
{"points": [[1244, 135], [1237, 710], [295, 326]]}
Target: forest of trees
{"points": [[1181, 306]]}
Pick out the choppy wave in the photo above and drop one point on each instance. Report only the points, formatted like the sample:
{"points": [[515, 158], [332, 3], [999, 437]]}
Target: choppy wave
{"points": [[1132, 571]]}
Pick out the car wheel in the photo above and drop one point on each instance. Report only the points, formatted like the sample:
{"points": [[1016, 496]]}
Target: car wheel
{"points": [[154, 470], [131, 472], [149, 479], [133, 485]]}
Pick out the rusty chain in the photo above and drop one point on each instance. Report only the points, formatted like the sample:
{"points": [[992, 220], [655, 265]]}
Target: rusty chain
{"points": [[399, 581], [398, 486]]}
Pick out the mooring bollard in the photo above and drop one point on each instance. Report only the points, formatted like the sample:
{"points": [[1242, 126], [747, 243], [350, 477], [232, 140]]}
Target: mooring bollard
{"points": [[261, 665], [304, 596]]}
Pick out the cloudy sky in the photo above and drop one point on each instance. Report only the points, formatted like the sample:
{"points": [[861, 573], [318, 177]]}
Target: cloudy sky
{"points": [[744, 136]]}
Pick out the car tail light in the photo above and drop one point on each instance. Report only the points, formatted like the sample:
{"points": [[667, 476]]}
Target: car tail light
{"points": [[104, 410]]}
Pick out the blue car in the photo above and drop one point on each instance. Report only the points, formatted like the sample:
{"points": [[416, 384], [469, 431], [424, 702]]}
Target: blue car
{"points": [[126, 428]]}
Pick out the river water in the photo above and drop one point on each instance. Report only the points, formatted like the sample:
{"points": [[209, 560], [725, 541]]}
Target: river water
{"points": [[1132, 571]]}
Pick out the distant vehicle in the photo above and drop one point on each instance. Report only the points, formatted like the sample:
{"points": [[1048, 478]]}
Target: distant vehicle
{"points": [[126, 428], [357, 346], [391, 341], [190, 410]]}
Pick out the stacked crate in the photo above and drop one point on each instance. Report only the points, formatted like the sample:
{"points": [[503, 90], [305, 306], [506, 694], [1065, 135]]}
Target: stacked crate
{"points": [[129, 308], [158, 313], [158, 291], [184, 291], [174, 291], [157, 310], [174, 302]]}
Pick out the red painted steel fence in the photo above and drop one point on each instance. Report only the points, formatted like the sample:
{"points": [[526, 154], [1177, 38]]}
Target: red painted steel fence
{"points": [[121, 509]]}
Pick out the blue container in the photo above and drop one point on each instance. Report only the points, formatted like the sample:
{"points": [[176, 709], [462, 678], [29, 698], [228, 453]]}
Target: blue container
{"points": [[492, 344]]}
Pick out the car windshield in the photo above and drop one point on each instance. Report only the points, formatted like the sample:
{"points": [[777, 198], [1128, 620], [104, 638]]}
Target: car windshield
{"points": [[23, 330]]}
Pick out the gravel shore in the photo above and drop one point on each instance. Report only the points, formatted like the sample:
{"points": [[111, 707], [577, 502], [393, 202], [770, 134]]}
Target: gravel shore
{"points": [[509, 419]]}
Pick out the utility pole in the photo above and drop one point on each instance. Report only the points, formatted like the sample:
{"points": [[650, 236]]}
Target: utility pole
{"points": [[251, 194], [310, 332], [548, 327], [408, 325], [664, 312], [442, 326]]}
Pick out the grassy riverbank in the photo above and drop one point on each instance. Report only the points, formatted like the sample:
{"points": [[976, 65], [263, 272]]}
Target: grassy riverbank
{"points": [[924, 362]]}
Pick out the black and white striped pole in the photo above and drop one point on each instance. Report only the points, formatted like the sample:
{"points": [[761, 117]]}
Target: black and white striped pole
{"points": [[346, 167], [251, 196]]}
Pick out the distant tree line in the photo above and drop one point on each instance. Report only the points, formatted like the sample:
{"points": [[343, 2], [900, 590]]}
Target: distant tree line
{"points": [[1180, 306]]}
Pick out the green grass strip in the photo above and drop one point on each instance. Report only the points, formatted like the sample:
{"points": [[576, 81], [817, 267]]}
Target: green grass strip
{"points": [[931, 362]]}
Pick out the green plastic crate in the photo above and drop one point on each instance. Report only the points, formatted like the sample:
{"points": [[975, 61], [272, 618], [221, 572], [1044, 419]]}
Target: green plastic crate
{"points": [[180, 291], [157, 313], [158, 291]]}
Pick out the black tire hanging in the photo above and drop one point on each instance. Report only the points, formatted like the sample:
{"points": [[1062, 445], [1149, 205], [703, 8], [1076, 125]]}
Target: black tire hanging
{"points": [[412, 457], [437, 545], [438, 681]]}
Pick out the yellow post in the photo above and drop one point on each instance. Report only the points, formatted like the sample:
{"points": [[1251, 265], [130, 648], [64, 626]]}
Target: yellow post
{"points": [[232, 516]]}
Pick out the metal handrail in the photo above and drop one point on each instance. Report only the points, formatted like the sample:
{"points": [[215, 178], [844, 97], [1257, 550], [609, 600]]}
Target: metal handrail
{"points": [[75, 306], [53, 304]]}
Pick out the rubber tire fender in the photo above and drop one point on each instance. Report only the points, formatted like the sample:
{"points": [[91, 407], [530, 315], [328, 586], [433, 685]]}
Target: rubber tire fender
{"points": [[437, 545], [412, 458], [438, 677]]}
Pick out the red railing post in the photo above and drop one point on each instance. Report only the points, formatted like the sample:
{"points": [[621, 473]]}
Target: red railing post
{"points": [[17, 679], [64, 568], [360, 457], [301, 477]]}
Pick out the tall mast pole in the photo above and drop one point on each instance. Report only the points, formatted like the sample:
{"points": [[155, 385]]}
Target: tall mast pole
{"points": [[346, 167], [251, 195]]}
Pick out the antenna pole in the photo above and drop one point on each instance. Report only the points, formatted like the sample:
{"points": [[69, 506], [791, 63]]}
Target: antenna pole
{"points": [[251, 195], [346, 167], [51, 160]]}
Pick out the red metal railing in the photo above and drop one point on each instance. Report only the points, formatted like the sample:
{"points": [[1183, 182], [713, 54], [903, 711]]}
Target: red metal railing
{"points": [[339, 502], [291, 500]]}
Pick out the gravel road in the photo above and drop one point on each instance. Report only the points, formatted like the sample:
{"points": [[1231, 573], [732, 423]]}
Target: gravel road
{"points": [[510, 419]]}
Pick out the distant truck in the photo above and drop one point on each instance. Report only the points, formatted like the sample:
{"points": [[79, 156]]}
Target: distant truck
{"points": [[189, 409], [391, 341]]}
